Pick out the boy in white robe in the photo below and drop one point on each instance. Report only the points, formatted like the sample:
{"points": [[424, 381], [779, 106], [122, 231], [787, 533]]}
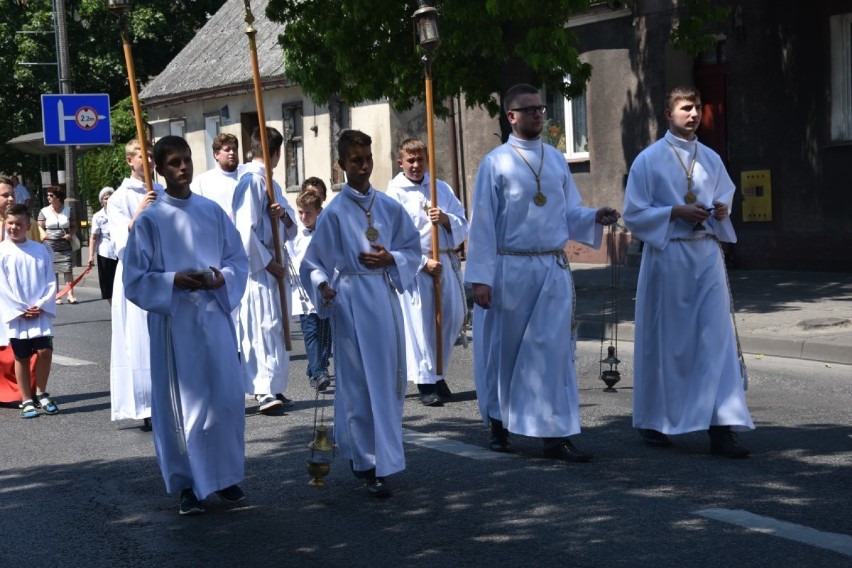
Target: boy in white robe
{"points": [[411, 188], [525, 209], [687, 374], [261, 318], [27, 308], [130, 366], [185, 265], [364, 250], [219, 182]]}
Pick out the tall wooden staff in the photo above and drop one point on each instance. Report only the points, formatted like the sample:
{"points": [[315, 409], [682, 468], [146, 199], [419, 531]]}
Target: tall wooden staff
{"points": [[251, 32], [120, 9], [426, 21]]}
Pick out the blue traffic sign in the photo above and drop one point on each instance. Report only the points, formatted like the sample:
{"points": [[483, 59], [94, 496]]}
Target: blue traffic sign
{"points": [[75, 120]]}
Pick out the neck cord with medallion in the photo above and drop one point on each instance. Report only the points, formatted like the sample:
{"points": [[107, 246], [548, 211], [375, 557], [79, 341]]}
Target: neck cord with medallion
{"points": [[690, 197], [371, 233], [540, 199]]}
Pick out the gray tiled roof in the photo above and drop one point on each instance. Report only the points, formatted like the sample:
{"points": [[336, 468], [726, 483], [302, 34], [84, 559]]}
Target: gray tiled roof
{"points": [[217, 58]]}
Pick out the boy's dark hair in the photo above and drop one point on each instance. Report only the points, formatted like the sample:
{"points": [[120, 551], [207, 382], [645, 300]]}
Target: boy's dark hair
{"points": [[315, 182], [166, 144], [682, 93], [273, 138], [309, 198], [516, 91], [7, 181], [350, 138], [19, 209], [225, 138]]}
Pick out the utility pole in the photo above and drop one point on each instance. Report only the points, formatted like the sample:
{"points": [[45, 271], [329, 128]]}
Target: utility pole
{"points": [[65, 88]]}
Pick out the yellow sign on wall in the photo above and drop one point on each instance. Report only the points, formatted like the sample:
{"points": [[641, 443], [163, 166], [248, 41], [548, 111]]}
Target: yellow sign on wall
{"points": [[757, 195]]}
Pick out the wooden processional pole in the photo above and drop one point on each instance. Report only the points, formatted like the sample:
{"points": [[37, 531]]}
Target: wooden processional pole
{"points": [[433, 196], [137, 109], [251, 32]]}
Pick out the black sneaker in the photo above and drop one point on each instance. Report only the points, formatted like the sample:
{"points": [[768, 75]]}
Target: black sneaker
{"points": [[723, 442], [655, 438], [379, 488], [189, 503], [429, 395], [232, 494], [443, 390]]}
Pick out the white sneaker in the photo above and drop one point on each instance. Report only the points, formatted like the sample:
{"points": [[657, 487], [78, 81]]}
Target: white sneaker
{"points": [[268, 403]]}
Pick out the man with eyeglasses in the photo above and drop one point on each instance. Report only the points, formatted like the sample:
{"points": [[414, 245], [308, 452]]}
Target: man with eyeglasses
{"points": [[526, 207]]}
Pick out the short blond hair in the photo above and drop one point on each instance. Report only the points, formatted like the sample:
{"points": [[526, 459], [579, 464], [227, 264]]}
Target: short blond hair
{"points": [[132, 147]]}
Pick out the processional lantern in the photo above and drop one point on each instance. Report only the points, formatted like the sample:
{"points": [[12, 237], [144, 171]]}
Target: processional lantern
{"points": [[609, 319], [118, 6], [426, 27], [426, 24]]}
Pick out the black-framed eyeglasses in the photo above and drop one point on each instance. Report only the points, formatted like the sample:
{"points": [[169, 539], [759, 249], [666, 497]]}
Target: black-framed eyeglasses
{"points": [[531, 110]]}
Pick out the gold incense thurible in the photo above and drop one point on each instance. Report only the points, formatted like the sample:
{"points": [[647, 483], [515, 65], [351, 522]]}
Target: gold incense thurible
{"points": [[319, 464]]}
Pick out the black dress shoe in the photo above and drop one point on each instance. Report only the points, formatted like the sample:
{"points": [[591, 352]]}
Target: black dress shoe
{"points": [[499, 441], [443, 390], [654, 438], [723, 442], [566, 451], [362, 474], [378, 487], [429, 395], [146, 425]]}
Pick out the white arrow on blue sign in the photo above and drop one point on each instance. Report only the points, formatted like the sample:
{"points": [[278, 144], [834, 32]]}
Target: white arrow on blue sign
{"points": [[75, 120]]}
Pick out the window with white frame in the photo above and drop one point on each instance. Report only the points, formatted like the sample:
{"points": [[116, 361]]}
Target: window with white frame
{"points": [[566, 125], [841, 77], [293, 153], [212, 124], [177, 127]]}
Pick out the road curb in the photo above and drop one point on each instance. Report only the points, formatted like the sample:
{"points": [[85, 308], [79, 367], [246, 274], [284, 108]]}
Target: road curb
{"points": [[829, 350]]}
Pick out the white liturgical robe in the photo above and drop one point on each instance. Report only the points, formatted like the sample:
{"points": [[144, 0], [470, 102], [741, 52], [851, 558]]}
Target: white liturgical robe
{"points": [[366, 320], [418, 304], [218, 185], [687, 374], [130, 366], [522, 346], [26, 280], [198, 413], [260, 323]]}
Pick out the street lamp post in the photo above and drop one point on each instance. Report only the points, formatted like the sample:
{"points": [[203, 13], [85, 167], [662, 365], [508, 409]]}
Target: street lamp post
{"points": [[426, 24], [120, 9]]}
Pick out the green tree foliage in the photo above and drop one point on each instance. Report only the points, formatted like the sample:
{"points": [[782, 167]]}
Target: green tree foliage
{"points": [[365, 49], [158, 28], [691, 33]]}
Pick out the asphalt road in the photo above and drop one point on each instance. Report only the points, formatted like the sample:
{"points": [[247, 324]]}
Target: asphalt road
{"points": [[79, 490]]}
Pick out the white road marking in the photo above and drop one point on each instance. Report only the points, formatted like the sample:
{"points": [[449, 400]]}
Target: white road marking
{"points": [[70, 362], [836, 542], [451, 446]]}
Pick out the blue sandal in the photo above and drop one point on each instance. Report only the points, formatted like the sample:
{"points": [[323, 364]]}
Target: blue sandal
{"points": [[46, 403], [28, 409]]}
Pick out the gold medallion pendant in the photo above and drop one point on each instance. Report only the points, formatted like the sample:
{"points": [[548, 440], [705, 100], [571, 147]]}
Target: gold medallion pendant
{"points": [[372, 233], [690, 198], [540, 199]]}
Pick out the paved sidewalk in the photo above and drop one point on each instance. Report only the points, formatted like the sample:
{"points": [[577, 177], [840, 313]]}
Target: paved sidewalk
{"points": [[805, 315]]}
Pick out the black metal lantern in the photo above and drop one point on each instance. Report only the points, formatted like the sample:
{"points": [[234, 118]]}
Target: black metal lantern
{"points": [[118, 6], [426, 23]]}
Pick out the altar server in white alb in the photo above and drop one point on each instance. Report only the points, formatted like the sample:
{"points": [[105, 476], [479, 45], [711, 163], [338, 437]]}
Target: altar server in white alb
{"points": [[130, 367], [218, 183], [261, 321], [364, 250], [186, 266], [411, 187], [525, 209], [687, 374]]}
